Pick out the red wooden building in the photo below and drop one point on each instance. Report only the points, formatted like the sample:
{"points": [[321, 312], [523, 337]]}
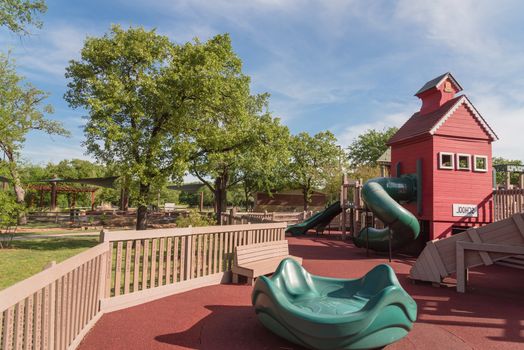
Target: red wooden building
{"points": [[453, 143]]}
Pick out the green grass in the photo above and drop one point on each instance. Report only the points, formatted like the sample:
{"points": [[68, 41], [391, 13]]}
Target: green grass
{"points": [[28, 257]]}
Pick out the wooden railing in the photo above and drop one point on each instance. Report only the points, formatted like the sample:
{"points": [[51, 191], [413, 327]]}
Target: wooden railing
{"points": [[55, 308], [151, 264], [233, 218], [507, 203]]}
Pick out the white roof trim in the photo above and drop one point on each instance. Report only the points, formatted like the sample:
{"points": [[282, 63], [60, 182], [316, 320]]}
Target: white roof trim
{"points": [[464, 100]]}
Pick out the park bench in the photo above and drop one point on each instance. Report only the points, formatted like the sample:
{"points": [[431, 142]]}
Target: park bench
{"points": [[259, 259]]}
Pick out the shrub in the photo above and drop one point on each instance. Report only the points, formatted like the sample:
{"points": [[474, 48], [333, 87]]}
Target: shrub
{"points": [[10, 211], [195, 219]]}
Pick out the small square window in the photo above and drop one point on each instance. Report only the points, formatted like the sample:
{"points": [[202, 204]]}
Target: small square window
{"points": [[463, 161], [480, 163], [446, 160]]}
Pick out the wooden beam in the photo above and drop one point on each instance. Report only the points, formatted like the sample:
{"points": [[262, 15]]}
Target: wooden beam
{"points": [[474, 235]]}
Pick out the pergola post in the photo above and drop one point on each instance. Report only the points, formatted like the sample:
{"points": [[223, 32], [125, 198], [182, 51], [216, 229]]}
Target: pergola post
{"points": [[53, 195], [93, 200]]}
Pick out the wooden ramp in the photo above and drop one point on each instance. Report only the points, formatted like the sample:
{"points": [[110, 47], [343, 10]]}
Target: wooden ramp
{"points": [[474, 247]]}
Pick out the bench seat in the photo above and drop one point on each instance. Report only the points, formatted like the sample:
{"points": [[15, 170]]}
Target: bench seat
{"points": [[259, 259]]}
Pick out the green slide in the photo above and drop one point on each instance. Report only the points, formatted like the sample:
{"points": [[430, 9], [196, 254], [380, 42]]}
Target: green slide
{"points": [[381, 196], [332, 313], [320, 218]]}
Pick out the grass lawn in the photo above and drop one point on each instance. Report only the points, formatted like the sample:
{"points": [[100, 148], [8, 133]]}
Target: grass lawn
{"points": [[28, 257]]}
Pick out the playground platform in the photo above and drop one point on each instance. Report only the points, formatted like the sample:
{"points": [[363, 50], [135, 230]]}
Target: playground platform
{"points": [[489, 316]]}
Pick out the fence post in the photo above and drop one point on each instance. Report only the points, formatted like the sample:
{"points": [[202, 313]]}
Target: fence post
{"points": [[273, 216]]}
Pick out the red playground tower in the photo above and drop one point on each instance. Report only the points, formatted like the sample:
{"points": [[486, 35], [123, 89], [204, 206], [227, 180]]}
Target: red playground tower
{"points": [[451, 142]]}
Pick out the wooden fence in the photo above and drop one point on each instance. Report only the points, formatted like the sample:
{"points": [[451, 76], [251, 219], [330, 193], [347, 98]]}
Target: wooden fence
{"points": [[55, 308], [507, 203]]}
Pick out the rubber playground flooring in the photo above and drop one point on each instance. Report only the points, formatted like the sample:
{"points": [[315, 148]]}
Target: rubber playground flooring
{"points": [[489, 316]]}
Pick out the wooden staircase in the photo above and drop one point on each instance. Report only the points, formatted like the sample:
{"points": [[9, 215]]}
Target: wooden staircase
{"points": [[501, 242]]}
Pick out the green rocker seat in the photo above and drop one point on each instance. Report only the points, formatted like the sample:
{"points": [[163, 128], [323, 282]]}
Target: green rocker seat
{"points": [[328, 313]]}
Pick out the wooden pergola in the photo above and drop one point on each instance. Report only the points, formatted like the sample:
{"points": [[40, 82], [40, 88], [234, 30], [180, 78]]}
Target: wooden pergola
{"points": [[55, 189], [56, 185]]}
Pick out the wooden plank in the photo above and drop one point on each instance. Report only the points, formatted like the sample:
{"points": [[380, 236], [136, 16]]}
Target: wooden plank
{"points": [[221, 253], [7, 341], [136, 267], [37, 337], [432, 250], [69, 307], [28, 320], [216, 238], [519, 222], [204, 254], [154, 258], [57, 327], [183, 247], [76, 300], [495, 248], [161, 262], [461, 269], [473, 234], [118, 268], [199, 253], [176, 256], [82, 299], [127, 268], [18, 335], [109, 270], [145, 265], [169, 249], [192, 261]]}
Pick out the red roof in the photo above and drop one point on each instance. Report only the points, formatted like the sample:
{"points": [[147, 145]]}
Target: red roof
{"points": [[419, 124]]}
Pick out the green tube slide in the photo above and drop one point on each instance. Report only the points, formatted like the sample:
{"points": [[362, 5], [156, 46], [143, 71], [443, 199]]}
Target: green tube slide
{"points": [[321, 218], [381, 196]]}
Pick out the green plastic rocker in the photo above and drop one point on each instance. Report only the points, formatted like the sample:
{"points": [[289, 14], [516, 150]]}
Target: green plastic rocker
{"points": [[328, 313]]}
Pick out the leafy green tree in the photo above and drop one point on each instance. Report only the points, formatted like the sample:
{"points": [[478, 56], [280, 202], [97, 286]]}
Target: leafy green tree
{"points": [[501, 177], [10, 211], [314, 159], [146, 98], [21, 111], [236, 146], [369, 146], [17, 15]]}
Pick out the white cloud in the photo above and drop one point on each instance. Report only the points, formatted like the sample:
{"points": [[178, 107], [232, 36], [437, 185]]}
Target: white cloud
{"points": [[351, 132]]}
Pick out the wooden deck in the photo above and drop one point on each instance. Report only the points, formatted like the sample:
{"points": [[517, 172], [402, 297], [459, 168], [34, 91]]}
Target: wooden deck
{"points": [[221, 316]]}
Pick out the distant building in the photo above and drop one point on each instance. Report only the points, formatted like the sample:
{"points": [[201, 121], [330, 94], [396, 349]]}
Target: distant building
{"points": [[288, 200]]}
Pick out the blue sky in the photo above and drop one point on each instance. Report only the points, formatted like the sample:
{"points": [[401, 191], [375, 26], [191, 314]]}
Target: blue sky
{"points": [[344, 66]]}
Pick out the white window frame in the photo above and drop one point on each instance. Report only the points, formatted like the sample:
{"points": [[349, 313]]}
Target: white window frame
{"points": [[458, 161], [477, 156], [442, 166]]}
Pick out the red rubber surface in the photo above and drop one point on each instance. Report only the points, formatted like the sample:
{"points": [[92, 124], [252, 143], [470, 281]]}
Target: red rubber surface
{"points": [[489, 316]]}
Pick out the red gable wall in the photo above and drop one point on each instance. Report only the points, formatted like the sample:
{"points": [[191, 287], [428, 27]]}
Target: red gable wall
{"points": [[463, 124]]}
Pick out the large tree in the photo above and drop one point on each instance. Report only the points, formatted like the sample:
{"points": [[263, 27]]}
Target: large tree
{"points": [[18, 15], [314, 160], [22, 110], [146, 98], [369, 146], [237, 146]]}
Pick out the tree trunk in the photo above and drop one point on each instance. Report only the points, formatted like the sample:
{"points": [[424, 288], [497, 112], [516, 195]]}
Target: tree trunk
{"points": [[141, 213], [246, 194], [220, 196], [17, 185], [305, 192]]}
